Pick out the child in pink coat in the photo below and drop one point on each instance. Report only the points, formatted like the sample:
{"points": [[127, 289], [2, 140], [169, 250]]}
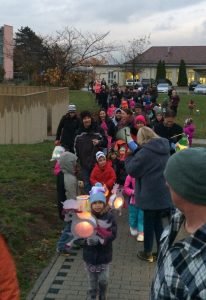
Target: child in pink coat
{"points": [[189, 130], [135, 213]]}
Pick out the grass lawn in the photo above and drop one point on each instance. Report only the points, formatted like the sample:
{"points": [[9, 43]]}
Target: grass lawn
{"points": [[28, 212], [83, 100], [198, 118]]}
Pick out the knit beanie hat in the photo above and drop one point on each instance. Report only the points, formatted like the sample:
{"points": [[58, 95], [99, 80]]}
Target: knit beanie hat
{"points": [[185, 172], [72, 108], [140, 118], [97, 193], [100, 154]]}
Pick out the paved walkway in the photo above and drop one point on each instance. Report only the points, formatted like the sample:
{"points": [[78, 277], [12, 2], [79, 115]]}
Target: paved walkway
{"points": [[130, 278]]}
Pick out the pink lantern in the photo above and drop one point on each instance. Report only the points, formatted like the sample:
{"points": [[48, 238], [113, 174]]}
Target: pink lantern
{"points": [[83, 226], [84, 229]]}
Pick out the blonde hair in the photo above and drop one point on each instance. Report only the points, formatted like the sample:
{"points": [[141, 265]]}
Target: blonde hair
{"points": [[145, 134]]}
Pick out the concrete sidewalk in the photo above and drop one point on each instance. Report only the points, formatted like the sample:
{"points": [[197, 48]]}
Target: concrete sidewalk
{"points": [[130, 278]]}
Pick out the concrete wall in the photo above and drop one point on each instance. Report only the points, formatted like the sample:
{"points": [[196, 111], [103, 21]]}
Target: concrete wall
{"points": [[28, 114]]}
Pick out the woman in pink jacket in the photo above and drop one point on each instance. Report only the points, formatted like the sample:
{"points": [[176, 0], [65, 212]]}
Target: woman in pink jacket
{"points": [[135, 214]]}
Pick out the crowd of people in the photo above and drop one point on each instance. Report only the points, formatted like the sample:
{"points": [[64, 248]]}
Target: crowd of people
{"points": [[127, 142]]}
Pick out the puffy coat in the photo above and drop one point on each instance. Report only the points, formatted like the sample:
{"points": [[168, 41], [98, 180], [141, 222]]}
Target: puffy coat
{"points": [[101, 254], [83, 145], [105, 175]]}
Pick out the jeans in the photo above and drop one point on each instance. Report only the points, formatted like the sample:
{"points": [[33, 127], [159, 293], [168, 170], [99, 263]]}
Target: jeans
{"points": [[65, 237], [98, 282], [152, 226], [136, 218], [85, 177]]}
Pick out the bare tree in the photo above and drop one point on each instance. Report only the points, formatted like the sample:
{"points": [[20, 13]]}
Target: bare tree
{"points": [[132, 53], [71, 48]]}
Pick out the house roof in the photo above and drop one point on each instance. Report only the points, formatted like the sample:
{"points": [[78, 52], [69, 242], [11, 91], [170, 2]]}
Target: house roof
{"points": [[173, 54]]}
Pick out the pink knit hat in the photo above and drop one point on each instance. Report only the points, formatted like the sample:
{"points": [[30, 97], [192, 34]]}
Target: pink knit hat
{"points": [[140, 118]]}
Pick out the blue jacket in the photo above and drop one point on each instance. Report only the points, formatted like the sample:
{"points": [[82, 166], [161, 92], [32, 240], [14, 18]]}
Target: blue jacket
{"points": [[101, 254], [147, 166]]}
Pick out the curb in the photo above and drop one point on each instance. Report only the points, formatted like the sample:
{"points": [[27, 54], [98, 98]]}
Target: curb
{"points": [[41, 278]]}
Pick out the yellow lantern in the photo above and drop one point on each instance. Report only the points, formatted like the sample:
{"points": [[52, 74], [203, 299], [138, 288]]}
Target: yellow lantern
{"points": [[84, 215], [82, 202], [118, 202]]}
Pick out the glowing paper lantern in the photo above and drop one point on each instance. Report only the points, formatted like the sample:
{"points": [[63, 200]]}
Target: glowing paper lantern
{"points": [[83, 229], [82, 202], [118, 202], [84, 215]]}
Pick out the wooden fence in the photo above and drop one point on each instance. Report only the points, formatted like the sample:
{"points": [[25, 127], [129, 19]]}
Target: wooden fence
{"points": [[28, 114]]}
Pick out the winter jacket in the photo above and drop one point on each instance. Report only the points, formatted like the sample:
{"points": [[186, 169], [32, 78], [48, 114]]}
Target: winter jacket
{"points": [[147, 166], [68, 165], [189, 130], [83, 145], [173, 134], [9, 288], [105, 175], [101, 253], [129, 187], [66, 131], [109, 129]]}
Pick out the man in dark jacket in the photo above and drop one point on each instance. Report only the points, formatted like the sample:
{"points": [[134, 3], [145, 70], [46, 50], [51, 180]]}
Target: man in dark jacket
{"points": [[90, 138], [67, 128], [169, 130]]}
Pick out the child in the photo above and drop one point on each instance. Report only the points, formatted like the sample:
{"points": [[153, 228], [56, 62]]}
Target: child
{"points": [[66, 189], [189, 129], [191, 106], [97, 253], [103, 172], [135, 214]]}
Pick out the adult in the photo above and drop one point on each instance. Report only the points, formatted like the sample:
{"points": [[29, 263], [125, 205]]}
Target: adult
{"points": [[90, 138], [67, 128], [108, 126], [9, 287], [117, 116], [103, 96], [181, 268], [169, 129], [151, 193], [174, 101]]}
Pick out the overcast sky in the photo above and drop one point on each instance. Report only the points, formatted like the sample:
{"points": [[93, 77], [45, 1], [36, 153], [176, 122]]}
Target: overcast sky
{"points": [[169, 22]]}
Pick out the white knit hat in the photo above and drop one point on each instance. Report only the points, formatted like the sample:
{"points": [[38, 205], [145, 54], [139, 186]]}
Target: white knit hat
{"points": [[100, 154]]}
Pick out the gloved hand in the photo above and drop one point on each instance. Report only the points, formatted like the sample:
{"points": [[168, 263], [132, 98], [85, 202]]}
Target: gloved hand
{"points": [[92, 241]]}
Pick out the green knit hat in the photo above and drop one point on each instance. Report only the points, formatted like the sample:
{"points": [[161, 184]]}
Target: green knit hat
{"points": [[185, 172]]}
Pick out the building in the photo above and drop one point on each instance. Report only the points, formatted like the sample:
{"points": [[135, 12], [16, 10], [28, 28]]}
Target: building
{"points": [[6, 50], [146, 64]]}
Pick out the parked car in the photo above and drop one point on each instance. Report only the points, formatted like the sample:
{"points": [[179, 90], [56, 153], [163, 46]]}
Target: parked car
{"points": [[131, 82], [164, 80], [147, 82], [193, 84], [163, 87], [200, 89]]}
